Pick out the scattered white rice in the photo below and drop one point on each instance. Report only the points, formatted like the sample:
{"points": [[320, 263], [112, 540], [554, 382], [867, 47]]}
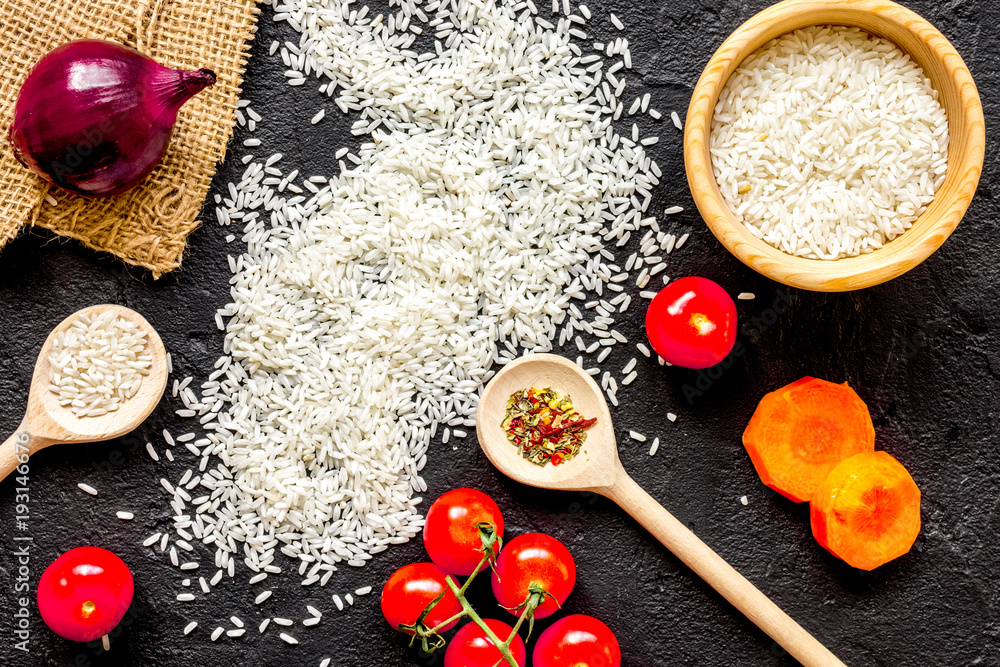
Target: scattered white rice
{"points": [[189, 628], [87, 488], [125, 516], [98, 363], [746, 296], [368, 312], [371, 305], [828, 142], [744, 500], [288, 638]]}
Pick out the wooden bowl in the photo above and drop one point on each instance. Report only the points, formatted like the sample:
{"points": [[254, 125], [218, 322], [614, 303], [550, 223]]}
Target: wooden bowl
{"points": [[966, 128]]}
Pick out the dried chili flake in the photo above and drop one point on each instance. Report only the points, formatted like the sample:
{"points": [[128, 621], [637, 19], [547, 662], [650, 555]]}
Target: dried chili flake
{"points": [[543, 424]]}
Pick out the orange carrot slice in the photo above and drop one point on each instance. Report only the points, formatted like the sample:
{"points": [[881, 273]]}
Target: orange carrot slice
{"points": [[867, 510], [801, 431]]}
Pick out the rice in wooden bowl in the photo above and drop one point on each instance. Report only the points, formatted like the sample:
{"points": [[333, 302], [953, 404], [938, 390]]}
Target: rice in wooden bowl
{"points": [[928, 208]]}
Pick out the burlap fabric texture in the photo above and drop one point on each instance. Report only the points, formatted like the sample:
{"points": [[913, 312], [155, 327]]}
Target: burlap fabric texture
{"points": [[149, 225]]}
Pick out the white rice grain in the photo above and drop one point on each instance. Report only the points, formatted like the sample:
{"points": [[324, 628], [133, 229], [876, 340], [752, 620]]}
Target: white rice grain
{"points": [[98, 363], [828, 142]]}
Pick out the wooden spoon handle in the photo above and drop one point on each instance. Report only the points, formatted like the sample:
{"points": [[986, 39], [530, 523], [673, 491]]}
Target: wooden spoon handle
{"points": [[14, 452], [719, 574], [22, 444]]}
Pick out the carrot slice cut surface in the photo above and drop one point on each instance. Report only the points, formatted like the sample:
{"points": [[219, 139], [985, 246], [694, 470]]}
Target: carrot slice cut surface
{"points": [[867, 510], [801, 431]]}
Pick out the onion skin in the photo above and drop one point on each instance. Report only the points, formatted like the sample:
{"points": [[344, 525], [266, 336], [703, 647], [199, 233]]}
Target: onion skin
{"points": [[95, 118]]}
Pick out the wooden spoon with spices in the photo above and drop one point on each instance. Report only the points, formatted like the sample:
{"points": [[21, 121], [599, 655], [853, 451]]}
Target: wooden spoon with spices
{"points": [[598, 469], [48, 423]]}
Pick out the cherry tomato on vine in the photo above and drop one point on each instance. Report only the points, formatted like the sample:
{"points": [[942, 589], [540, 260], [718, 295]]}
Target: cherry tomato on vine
{"points": [[408, 592], [692, 323], [85, 593], [470, 647], [580, 641], [534, 560], [451, 533]]}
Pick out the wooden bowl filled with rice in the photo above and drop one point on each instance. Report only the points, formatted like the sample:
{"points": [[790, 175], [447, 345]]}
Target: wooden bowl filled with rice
{"points": [[834, 145]]}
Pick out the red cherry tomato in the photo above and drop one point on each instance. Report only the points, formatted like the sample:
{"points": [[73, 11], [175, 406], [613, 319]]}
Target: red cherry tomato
{"points": [[539, 559], [577, 641], [410, 589], [470, 647], [692, 323], [450, 533], [84, 593]]}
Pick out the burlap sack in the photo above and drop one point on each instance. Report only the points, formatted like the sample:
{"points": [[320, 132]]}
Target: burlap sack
{"points": [[147, 226]]}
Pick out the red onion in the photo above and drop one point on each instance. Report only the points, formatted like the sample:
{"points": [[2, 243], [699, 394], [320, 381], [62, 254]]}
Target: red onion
{"points": [[95, 117]]}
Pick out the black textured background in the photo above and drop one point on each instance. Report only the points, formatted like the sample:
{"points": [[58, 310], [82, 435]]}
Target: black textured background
{"points": [[922, 351]]}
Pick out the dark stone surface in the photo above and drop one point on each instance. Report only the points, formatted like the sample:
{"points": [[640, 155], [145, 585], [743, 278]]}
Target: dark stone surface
{"points": [[923, 351]]}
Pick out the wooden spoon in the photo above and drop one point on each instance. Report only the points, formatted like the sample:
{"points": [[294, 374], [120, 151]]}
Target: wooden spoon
{"points": [[597, 469], [47, 423]]}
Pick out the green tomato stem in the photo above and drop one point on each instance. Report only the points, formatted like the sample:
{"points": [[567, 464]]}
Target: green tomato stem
{"points": [[439, 627], [471, 613], [517, 626], [472, 576]]}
